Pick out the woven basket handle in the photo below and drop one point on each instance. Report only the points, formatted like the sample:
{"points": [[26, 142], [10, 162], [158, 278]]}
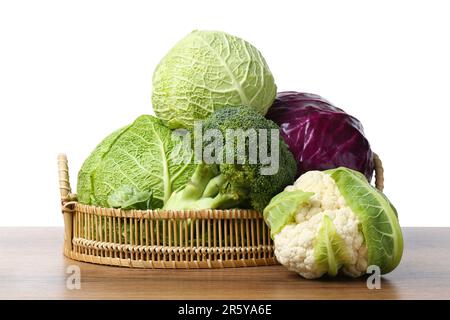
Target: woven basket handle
{"points": [[68, 199], [64, 183], [379, 172], [63, 173]]}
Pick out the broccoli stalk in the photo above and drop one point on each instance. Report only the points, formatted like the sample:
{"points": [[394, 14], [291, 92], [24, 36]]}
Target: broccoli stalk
{"points": [[207, 189]]}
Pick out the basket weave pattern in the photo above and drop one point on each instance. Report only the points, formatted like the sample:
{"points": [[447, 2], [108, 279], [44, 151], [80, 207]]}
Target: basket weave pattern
{"points": [[162, 239]]}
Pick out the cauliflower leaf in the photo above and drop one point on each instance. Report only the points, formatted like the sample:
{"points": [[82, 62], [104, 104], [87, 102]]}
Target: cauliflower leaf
{"points": [[378, 218], [283, 207], [329, 248]]}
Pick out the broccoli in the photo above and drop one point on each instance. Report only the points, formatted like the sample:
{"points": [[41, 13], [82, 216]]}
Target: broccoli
{"points": [[237, 184]]}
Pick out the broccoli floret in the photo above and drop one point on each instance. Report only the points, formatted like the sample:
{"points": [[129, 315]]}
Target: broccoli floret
{"points": [[223, 185]]}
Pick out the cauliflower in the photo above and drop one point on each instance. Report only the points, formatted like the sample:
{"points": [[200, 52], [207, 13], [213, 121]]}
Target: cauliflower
{"points": [[316, 231], [294, 245]]}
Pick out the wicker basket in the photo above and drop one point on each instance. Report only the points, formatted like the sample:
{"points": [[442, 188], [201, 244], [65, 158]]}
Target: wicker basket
{"points": [[165, 239]]}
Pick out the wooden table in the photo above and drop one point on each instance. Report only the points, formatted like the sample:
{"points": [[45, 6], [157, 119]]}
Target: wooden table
{"points": [[33, 267]]}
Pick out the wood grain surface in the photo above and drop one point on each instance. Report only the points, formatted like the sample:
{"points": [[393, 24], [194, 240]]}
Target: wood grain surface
{"points": [[32, 267]]}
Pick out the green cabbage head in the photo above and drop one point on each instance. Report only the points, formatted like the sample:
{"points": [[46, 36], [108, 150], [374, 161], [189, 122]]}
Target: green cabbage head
{"points": [[208, 70], [135, 167]]}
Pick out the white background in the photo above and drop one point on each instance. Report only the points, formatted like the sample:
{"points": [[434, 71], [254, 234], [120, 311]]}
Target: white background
{"points": [[72, 72]]}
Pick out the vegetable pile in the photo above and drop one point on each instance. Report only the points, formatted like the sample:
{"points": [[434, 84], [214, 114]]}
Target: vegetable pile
{"points": [[254, 143]]}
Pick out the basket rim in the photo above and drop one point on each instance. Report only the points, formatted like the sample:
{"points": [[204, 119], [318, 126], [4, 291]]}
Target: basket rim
{"points": [[157, 214]]}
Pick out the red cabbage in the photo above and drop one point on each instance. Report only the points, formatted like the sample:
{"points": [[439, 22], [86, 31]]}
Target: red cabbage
{"points": [[320, 135]]}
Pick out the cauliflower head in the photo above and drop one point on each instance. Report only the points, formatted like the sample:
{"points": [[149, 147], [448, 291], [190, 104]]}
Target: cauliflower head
{"points": [[334, 221], [325, 217]]}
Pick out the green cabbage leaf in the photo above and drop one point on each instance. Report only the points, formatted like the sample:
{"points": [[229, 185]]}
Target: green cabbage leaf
{"points": [[128, 197]]}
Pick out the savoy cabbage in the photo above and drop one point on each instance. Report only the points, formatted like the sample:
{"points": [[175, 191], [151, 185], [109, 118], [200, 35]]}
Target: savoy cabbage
{"points": [[206, 71], [138, 156]]}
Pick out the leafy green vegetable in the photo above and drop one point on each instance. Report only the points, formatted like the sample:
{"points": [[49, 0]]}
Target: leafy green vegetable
{"points": [[91, 163], [283, 207], [128, 197], [206, 71], [378, 217], [140, 156], [329, 248], [227, 185]]}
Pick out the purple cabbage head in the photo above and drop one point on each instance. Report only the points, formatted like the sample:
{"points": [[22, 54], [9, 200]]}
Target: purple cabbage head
{"points": [[320, 135]]}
